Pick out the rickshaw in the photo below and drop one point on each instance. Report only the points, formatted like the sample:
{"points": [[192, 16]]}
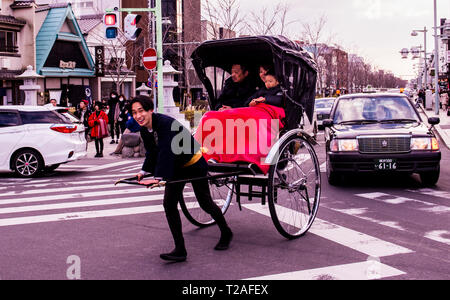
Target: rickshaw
{"points": [[291, 189]]}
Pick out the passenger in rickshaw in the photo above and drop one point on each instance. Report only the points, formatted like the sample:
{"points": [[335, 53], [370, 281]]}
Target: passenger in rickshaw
{"points": [[245, 134], [238, 88], [270, 94]]}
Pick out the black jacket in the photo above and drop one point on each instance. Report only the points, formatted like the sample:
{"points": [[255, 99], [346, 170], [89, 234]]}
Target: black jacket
{"points": [[85, 119], [169, 147], [112, 102], [274, 96], [235, 94]]}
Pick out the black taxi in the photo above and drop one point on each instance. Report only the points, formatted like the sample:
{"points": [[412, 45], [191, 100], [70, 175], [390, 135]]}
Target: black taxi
{"points": [[381, 133]]}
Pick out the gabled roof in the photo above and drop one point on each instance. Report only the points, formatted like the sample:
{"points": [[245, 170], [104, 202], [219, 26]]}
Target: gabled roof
{"points": [[50, 32]]}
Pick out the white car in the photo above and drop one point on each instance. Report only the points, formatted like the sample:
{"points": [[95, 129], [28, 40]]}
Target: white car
{"points": [[38, 138], [322, 110]]}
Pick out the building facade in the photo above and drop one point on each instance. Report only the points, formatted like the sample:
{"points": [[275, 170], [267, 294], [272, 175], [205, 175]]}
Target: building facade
{"points": [[49, 39]]}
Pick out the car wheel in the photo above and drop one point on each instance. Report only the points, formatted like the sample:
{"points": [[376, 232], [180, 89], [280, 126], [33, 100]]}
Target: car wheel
{"points": [[430, 178], [333, 177], [27, 163]]}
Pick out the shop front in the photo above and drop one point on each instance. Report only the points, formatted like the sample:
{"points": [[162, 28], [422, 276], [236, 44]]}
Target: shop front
{"points": [[63, 59]]}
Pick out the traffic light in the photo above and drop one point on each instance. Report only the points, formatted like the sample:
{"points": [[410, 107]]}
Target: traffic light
{"points": [[111, 23], [130, 26]]}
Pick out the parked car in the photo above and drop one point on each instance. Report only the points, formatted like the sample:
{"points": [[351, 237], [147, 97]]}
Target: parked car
{"points": [[37, 138], [380, 133], [322, 110]]}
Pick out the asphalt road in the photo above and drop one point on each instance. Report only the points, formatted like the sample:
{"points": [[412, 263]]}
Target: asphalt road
{"points": [[75, 224]]}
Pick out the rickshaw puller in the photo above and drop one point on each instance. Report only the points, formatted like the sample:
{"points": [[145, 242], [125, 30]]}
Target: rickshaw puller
{"points": [[157, 132]]}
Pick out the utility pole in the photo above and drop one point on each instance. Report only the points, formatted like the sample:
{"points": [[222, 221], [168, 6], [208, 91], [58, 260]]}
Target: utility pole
{"points": [[436, 62], [157, 12]]}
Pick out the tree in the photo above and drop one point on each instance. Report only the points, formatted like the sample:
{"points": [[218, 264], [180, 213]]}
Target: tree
{"points": [[268, 21], [225, 14], [313, 35]]}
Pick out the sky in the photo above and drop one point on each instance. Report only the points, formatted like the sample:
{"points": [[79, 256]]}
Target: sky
{"points": [[374, 29]]}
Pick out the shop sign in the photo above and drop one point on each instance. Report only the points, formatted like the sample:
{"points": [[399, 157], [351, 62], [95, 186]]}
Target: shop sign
{"points": [[67, 65]]}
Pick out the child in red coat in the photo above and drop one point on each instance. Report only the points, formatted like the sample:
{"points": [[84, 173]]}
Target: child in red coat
{"points": [[98, 121]]}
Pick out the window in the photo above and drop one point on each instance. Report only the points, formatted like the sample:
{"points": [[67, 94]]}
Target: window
{"points": [[43, 117], [8, 41], [9, 119]]}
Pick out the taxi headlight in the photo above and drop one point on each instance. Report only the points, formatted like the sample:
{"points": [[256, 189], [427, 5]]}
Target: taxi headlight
{"points": [[344, 145], [424, 144]]}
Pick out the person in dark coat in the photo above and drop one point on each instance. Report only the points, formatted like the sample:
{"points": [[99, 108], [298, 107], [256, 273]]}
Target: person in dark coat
{"points": [[238, 88], [83, 114], [113, 127], [166, 163], [271, 94], [121, 113]]}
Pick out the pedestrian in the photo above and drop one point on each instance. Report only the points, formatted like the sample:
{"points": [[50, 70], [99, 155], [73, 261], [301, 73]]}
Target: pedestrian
{"points": [[158, 134], [120, 114], [113, 127], [98, 121], [131, 127], [444, 100], [83, 114]]}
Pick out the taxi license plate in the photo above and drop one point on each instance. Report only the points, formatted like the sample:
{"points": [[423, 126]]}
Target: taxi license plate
{"points": [[385, 164]]}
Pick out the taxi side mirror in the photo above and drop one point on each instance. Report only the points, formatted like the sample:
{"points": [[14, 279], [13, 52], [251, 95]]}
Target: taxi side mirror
{"points": [[434, 120], [327, 123]]}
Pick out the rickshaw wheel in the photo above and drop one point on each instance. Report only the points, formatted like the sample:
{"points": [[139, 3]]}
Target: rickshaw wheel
{"points": [[222, 191], [294, 187]]}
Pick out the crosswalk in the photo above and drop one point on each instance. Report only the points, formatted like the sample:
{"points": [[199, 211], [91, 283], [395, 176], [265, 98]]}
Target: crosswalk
{"points": [[90, 195]]}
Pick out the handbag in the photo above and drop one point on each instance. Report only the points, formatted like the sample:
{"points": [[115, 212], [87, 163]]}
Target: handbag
{"points": [[102, 129]]}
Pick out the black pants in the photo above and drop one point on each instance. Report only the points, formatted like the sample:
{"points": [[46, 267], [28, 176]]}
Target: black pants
{"points": [[174, 194], [99, 145], [114, 128]]}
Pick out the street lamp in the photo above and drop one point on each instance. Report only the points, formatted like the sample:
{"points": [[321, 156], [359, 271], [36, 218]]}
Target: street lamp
{"points": [[415, 33]]}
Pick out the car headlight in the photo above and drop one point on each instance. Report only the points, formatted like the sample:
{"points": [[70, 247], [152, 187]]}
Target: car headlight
{"points": [[338, 145], [424, 144]]}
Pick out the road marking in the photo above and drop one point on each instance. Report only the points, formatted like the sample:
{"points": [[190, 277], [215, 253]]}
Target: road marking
{"points": [[81, 215], [108, 166], [74, 166], [395, 200], [65, 205], [112, 192], [442, 236], [58, 190], [79, 183], [323, 167], [355, 240], [359, 213], [431, 192], [365, 270]]}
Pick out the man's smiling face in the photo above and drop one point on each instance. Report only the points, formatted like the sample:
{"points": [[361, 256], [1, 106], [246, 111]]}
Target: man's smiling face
{"points": [[143, 117]]}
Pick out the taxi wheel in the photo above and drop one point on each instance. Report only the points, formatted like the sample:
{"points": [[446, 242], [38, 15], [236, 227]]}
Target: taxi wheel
{"points": [[430, 178]]}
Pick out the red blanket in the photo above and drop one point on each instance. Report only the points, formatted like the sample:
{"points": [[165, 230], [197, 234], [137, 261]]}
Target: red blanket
{"points": [[240, 135]]}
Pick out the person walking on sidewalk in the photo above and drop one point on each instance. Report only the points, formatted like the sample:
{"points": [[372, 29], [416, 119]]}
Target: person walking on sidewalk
{"points": [[98, 121], [158, 133], [113, 126]]}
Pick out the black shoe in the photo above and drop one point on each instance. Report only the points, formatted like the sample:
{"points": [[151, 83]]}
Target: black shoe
{"points": [[100, 155], [224, 242], [112, 142], [97, 155], [176, 256]]}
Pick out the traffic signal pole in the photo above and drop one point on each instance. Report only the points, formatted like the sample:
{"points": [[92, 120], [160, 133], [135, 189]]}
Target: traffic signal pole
{"points": [[159, 43]]}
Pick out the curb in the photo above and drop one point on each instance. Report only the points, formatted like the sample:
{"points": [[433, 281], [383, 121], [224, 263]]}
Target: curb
{"points": [[439, 131]]}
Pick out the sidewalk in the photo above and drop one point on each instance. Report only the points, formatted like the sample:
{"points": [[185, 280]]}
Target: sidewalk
{"points": [[108, 148], [443, 129]]}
